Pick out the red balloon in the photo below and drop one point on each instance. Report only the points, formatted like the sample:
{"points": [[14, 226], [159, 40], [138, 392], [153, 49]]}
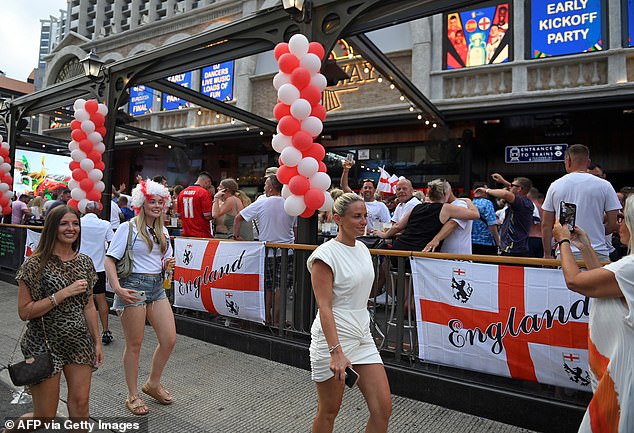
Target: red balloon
{"points": [[73, 165], [317, 49], [288, 62], [4, 152], [78, 135], [101, 130], [93, 195], [289, 125], [87, 184], [7, 159], [322, 167], [75, 124], [4, 201], [286, 173], [73, 203], [98, 119], [299, 184], [85, 146], [302, 140], [319, 111], [316, 151], [280, 110], [94, 156], [79, 174], [7, 179], [312, 94], [281, 48], [314, 198], [91, 106], [308, 212], [300, 78], [6, 210], [100, 166], [279, 161]]}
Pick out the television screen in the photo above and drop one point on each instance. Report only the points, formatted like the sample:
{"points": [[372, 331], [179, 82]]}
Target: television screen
{"points": [[478, 36], [630, 23], [172, 102], [558, 28], [141, 99], [36, 171], [217, 81]]}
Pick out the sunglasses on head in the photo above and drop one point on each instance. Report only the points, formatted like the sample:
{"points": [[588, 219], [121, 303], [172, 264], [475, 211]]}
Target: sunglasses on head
{"points": [[153, 233]]}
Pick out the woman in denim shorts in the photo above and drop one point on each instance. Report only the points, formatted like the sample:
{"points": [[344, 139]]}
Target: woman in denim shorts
{"points": [[141, 296]]}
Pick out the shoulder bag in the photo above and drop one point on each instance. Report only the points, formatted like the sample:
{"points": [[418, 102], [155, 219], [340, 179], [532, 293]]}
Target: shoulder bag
{"points": [[124, 265]]}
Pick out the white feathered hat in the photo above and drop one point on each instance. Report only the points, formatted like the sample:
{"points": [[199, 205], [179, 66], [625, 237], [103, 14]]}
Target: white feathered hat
{"points": [[146, 189]]}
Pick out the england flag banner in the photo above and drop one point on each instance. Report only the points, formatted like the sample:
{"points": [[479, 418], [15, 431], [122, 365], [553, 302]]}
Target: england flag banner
{"points": [[32, 239], [509, 321], [225, 278]]}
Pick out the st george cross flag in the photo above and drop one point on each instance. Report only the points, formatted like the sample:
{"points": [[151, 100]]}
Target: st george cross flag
{"points": [[384, 182], [510, 321], [225, 278], [393, 181], [32, 239]]}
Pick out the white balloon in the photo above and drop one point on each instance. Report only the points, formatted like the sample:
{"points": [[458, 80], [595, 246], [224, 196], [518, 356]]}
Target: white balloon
{"points": [[300, 109], [82, 205], [280, 79], [294, 205], [5, 144], [319, 81], [1, 160], [79, 104], [95, 137], [1, 139], [96, 174], [100, 147], [288, 93], [328, 202], [86, 164], [72, 184], [320, 180], [77, 194], [87, 126], [311, 62], [100, 186], [82, 115], [78, 155], [298, 45], [6, 167], [5, 187], [8, 194], [286, 191], [73, 145], [291, 156], [312, 125], [102, 109], [308, 167], [280, 142]]}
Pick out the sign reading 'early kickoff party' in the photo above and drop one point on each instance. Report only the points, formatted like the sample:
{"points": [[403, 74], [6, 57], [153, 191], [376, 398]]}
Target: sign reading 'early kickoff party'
{"points": [[172, 102], [565, 27]]}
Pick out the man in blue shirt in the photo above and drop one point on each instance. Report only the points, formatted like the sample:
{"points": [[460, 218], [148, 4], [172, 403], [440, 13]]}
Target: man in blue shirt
{"points": [[485, 238]]}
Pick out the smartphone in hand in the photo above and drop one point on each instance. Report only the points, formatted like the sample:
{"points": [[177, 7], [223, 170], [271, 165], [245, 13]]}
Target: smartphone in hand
{"points": [[141, 294], [567, 215], [351, 377]]}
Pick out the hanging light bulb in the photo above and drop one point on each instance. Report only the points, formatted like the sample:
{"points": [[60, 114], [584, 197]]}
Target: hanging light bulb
{"points": [[217, 116], [411, 108], [200, 112], [155, 144], [380, 79], [141, 143], [426, 122], [392, 86], [402, 98], [434, 125], [169, 146], [420, 116]]}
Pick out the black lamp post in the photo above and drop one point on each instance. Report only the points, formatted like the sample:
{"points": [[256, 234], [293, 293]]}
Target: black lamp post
{"points": [[92, 64], [299, 10]]}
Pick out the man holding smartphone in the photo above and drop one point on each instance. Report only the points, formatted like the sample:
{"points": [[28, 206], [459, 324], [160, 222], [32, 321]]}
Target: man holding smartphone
{"points": [[595, 199]]}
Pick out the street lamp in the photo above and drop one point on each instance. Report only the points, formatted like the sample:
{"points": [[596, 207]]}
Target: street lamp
{"points": [[299, 10], [92, 64]]}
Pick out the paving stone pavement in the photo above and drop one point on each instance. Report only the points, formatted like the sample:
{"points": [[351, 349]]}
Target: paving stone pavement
{"points": [[219, 390]]}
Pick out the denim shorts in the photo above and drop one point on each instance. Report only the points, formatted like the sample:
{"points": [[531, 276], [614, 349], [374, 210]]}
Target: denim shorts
{"points": [[151, 284]]}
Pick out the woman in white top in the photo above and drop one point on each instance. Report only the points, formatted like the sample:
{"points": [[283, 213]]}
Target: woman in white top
{"points": [[611, 325], [342, 275], [141, 295]]}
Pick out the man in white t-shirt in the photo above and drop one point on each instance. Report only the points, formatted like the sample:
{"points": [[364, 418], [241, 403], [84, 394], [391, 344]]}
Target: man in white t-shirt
{"points": [[274, 225], [95, 235], [406, 199], [377, 210], [593, 196], [458, 241]]}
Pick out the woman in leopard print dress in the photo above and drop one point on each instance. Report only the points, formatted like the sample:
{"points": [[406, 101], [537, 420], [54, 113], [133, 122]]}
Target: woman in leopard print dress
{"points": [[55, 295]]}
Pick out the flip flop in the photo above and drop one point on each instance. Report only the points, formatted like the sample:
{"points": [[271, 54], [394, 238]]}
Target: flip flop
{"points": [[159, 393], [136, 405]]}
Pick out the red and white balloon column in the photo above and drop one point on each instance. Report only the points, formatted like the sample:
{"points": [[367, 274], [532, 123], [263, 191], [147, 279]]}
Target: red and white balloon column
{"points": [[6, 181], [300, 114], [86, 149]]}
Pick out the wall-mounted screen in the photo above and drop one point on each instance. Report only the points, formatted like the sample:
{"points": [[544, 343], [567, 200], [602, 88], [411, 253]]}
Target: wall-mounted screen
{"points": [[217, 81], [36, 171], [172, 102], [141, 99], [558, 28], [478, 36], [630, 23]]}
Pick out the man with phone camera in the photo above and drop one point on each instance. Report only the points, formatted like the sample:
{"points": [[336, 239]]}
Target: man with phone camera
{"points": [[596, 203]]}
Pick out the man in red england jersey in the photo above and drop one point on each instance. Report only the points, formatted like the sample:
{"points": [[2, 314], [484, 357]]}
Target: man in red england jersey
{"points": [[194, 204]]}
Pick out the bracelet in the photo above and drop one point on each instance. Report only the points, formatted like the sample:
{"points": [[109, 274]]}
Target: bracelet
{"points": [[53, 300], [563, 241], [333, 348]]}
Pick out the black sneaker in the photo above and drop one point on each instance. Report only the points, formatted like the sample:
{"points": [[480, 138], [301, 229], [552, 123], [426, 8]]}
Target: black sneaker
{"points": [[106, 337]]}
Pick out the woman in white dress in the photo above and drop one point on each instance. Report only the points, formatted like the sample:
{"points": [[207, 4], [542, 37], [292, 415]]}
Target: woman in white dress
{"points": [[611, 325], [342, 275]]}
